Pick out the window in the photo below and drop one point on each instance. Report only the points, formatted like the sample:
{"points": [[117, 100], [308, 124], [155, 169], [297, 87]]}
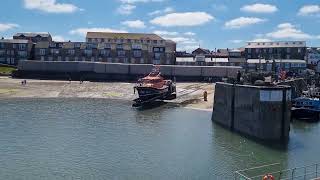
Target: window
{"points": [[22, 46], [121, 53], [2, 45], [42, 52], [71, 51], [91, 46], [155, 41], [299, 50], [249, 43], [257, 50], [105, 52], [88, 52], [249, 50], [2, 52], [270, 50], [77, 45], [137, 53], [89, 40], [55, 51], [288, 50], [157, 56], [119, 46], [22, 53]]}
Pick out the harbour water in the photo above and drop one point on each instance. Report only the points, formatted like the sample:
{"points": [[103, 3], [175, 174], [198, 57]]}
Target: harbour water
{"points": [[108, 139]]}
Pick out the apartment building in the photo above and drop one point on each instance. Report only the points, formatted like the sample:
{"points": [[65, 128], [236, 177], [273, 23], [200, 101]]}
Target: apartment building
{"points": [[61, 51], [13, 50], [33, 37], [131, 48], [276, 50]]}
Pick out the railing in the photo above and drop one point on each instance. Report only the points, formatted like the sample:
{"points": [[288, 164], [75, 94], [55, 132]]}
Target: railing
{"points": [[257, 173]]}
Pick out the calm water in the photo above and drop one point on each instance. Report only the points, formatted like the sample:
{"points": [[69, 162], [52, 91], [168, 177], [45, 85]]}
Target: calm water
{"points": [[105, 139]]}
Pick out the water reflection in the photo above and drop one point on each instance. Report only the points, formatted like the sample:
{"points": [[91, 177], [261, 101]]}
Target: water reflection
{"points": [[106, 139]]}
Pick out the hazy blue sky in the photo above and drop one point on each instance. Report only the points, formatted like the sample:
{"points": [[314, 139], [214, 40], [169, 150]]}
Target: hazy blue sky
{"points": [[210, 23]]}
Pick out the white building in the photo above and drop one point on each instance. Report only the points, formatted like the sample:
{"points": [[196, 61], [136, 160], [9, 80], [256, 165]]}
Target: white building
{"points": [[313, 56]]}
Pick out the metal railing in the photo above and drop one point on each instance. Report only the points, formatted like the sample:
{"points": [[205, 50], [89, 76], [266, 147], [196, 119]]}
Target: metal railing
{"points": [[307, 172]]}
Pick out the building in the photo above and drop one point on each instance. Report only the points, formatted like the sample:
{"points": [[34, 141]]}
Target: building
{"points": [[276, 50], [237, 57], [201, 52], [132, 47], [13, 50], [313, 56], [62, 51], [33, 37]]}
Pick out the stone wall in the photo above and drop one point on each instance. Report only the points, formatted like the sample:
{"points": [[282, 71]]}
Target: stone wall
{"points": [[105, 69]]}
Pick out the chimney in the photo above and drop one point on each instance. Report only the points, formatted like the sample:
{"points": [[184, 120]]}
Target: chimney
{"points": [[2, 38]]}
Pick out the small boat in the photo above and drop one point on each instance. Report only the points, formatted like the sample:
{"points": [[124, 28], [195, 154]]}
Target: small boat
{"points": [[154, 87], [306, 108]]}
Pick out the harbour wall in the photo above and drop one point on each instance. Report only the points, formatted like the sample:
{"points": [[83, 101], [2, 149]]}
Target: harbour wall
{"points": [[259, 112], [119, 71]]}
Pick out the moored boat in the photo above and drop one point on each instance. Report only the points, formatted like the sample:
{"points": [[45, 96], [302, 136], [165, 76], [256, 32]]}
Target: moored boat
{"points": [[306, 108]]}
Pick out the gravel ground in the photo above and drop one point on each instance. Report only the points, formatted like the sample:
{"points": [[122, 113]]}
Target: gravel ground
{"points": [[190, 95]]}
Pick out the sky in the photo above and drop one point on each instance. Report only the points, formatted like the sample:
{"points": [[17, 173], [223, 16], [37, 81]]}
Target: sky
{"points": [[191, 23]]}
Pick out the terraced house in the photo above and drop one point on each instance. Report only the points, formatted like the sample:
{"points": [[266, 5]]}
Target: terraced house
{"points": [[110, 47], [13, 50]]}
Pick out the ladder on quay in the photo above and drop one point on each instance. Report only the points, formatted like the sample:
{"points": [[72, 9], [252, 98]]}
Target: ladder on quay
{"points": [[308, 172]]}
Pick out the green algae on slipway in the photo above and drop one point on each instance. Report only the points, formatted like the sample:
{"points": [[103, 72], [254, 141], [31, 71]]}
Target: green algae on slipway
{"points": [[8, 91]]}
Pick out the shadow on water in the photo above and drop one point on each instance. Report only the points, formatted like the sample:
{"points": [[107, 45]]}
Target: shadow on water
{"points": [[276, 145], [152, 105]]}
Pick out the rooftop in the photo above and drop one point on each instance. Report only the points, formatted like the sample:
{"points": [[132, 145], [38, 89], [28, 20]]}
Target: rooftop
{"points": [[276, 44], [133, 36], [15, 41], [29, 34]]}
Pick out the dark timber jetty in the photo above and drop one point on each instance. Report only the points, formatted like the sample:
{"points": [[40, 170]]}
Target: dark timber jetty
{"points": [[262, 112]]}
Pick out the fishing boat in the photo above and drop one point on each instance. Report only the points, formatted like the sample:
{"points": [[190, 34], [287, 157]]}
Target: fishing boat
{"points": [[154, 87], [306, 108]]}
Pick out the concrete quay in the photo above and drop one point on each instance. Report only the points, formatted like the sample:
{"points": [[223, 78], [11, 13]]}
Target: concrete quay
{"points": [[257, 111]]}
